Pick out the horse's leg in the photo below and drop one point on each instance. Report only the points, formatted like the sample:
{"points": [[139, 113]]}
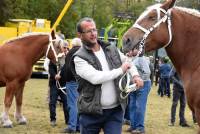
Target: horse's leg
{"points": [[9, 94], [18, 113]]}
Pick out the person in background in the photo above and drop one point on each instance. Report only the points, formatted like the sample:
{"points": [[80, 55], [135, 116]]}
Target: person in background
{"points": [[148, 61], [97, 68], [159, 91], [55, 92], [156, 68], [61, 59], [46, 67], [60, 34], [151, 66], [71, 88], [178, 95], [138, 99], [165, 78]]}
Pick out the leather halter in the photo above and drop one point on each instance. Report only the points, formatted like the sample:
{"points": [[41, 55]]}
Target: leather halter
{"points": [[166, 17], [52, 47]]}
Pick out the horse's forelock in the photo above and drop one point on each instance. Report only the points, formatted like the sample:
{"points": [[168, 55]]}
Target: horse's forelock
{"points": [[146, 12]]}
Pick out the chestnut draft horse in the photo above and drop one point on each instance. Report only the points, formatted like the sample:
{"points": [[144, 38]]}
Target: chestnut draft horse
{"points": [[178, 30], [17, 57]]}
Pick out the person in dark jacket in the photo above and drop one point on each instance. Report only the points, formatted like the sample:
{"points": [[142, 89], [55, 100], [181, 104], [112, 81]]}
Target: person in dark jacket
{"points": [[164, 81], [55, 92], [71, 89], [178, 95], [97, 68]]}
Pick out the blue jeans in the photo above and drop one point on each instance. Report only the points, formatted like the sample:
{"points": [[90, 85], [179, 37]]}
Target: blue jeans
{"points": [[137, 106], [72, 97], [110, 121], [127, 112]]}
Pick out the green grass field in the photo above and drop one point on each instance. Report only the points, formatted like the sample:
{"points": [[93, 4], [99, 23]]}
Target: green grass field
{"points": [[35, 109]]}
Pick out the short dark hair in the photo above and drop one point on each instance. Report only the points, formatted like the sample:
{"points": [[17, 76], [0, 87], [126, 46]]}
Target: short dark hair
{"points": [[78, 25]]}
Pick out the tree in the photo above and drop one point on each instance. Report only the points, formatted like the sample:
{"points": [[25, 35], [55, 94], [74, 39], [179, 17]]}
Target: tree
{"points": [[4, 12]]}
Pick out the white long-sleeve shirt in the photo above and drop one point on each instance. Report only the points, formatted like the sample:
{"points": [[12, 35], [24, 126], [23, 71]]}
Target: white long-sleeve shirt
{"points": [[104, 77]]}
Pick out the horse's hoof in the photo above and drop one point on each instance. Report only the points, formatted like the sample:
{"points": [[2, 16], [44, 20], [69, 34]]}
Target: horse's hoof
{"points": [[21, 120], [5, 121], [8, 126], [22, 123]]}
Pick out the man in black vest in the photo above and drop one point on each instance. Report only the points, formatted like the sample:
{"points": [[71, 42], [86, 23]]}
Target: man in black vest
{"points": [[98, 67]]}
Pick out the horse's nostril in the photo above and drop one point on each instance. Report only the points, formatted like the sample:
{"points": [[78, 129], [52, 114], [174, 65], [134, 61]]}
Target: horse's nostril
{"points": [[128, 41]]}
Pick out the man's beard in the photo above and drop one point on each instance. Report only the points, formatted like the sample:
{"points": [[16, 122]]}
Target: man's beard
{"points": [[88, 44]]}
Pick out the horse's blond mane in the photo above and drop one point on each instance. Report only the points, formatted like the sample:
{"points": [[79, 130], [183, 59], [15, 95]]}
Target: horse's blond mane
{"points": [[189, 11], [23, 36]]}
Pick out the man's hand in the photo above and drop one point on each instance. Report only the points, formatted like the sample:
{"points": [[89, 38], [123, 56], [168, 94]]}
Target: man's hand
{"points": [[57, 76], [139, 82], [125, 66]]}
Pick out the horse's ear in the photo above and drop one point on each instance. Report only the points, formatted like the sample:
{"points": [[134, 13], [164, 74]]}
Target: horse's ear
{"points": [[168, 4], [53, 35]]}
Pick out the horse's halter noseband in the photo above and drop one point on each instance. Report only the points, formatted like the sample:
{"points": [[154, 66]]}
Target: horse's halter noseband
{"points": [[166, 17]]}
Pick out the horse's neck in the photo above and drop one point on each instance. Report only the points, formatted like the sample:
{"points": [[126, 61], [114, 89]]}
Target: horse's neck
{"points": [[184, 49], [36, 48]]}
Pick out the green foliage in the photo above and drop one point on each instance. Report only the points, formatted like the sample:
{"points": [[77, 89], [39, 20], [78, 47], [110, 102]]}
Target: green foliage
{"points": [[4, 11]]}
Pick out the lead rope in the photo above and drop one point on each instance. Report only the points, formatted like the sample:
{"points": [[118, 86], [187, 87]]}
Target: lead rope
{"points": [[58, 83], [128, 88], [60, 88]]}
